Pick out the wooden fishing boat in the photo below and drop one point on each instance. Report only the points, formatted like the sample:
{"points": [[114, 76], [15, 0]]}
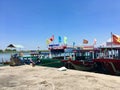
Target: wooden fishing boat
{"points": [[108, 61], [50, 59], [82, 58]]}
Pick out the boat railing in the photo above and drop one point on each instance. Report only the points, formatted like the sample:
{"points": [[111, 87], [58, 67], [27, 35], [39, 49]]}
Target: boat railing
{"points": [[109, 57]]}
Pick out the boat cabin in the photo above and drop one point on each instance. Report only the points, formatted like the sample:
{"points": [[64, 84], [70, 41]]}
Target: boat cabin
{"points": [[81, 58], [57, 51], [109, 52], [86, 53], [108, 61]]}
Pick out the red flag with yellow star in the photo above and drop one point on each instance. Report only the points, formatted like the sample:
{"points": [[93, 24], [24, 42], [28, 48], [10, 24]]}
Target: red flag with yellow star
{"points": [[116, 39]]}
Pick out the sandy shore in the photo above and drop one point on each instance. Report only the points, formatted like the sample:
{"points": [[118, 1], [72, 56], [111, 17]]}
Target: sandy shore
{"points": [[43, 78]]}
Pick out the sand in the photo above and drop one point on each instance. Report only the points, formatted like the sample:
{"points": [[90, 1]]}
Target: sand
{"points": [[27, 77]]}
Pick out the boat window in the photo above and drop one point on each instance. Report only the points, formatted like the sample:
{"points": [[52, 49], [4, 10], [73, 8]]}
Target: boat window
{"points": [[108, 53]]}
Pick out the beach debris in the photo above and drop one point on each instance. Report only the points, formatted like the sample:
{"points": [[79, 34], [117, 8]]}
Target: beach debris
{"points": [[62, 69]]}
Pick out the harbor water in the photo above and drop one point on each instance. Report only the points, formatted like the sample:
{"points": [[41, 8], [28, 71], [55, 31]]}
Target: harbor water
{"points": [[6, 56]]}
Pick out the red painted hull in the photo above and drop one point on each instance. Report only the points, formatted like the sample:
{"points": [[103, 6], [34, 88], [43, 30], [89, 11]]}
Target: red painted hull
{"points": [[111, 66], [102, 65], [78, 65]]}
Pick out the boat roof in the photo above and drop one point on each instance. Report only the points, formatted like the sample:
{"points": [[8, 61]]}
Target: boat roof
{"points": [[111, 47]]}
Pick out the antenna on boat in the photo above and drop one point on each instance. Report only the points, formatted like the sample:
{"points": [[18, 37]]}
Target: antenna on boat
{"points": [[111, 44]]}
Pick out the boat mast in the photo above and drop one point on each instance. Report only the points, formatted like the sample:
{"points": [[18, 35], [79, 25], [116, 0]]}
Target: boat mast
{"points": [[111, 45]]}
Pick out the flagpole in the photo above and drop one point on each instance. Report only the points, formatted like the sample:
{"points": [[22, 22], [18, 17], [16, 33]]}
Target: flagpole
{"points": [[53, 38], [111, 45]]}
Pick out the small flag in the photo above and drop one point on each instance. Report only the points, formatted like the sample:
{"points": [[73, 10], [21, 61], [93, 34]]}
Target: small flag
{"points": [[48, 41], [85, 41], [73, 44], [116, 39], [65, 40], [95, 41], [52, 38], [59, 39]]}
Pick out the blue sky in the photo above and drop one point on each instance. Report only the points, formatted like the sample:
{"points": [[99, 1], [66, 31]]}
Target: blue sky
{"points": [[31, 22]]}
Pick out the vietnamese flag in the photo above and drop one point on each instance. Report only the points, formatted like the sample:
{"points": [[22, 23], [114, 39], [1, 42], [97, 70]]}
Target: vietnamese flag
{"points": [[116, 39]]}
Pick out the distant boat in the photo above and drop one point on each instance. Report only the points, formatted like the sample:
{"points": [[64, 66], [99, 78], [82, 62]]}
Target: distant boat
{"points": [[51, 59]]}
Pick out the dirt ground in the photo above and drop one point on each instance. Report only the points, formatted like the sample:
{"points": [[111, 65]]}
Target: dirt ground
{"points": [[27, 77]]}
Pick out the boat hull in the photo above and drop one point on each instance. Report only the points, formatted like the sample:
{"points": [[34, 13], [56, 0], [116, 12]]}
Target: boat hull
{"points": [[109, 66], [78, 65], [51, 63]]}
